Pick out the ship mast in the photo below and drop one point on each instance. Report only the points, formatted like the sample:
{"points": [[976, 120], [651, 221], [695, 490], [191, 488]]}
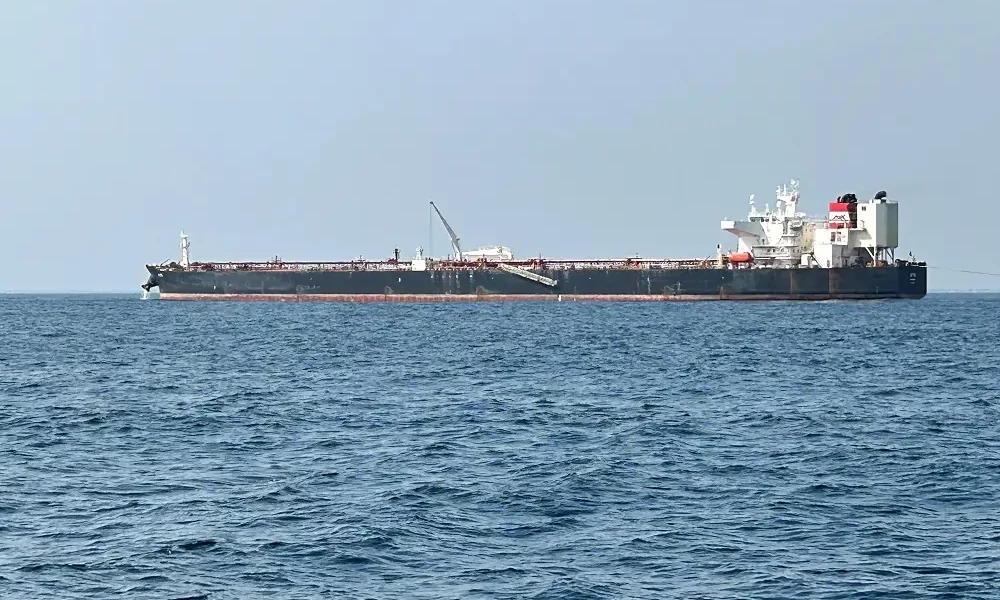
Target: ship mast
{"points": [[451, 232], [185, 251]]}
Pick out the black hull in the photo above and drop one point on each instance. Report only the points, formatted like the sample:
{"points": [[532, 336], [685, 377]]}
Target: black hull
{"points": [[900, 281]]}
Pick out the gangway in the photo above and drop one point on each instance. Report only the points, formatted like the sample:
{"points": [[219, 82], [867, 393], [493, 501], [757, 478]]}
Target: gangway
{"points": [[527, 274]]}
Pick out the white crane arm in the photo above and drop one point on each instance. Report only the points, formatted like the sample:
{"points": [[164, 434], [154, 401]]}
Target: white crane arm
{"points": [[451, 232]]}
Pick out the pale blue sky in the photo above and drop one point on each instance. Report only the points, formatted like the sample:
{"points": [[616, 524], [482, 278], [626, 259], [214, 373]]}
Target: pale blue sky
{"points": [[320, 129]]}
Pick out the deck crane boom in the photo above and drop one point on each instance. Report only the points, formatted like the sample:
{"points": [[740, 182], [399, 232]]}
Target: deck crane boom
{"points": [[451, 232]]}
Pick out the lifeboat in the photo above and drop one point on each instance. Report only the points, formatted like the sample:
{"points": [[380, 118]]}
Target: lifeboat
{"points": [[740, 257]]}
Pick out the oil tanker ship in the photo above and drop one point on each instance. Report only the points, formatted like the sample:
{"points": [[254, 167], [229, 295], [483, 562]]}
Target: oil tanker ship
{"points": [[781, 254]]}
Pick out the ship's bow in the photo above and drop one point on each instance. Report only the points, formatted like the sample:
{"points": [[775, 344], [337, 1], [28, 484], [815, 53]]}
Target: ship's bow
{"points": [[154, 278]]}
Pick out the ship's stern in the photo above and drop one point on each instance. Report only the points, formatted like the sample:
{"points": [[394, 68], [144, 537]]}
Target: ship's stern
{"points": [[912, 279]]}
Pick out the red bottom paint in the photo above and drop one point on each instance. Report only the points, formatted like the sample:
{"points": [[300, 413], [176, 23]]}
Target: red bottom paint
{"points": [[520, 297]]}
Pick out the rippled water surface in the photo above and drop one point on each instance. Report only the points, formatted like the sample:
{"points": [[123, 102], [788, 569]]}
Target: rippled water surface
{"points": [[568, 450]]}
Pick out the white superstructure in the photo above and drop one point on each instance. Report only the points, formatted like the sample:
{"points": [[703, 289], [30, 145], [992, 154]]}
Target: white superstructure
{"points": [[489, 253], [852, 234]]}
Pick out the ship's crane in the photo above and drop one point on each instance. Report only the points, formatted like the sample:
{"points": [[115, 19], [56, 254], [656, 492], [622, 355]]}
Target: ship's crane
{"points": [[451, 232]]}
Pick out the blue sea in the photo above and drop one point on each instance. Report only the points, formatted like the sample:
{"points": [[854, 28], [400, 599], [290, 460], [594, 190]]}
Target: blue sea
{"points": [[554, 450]]}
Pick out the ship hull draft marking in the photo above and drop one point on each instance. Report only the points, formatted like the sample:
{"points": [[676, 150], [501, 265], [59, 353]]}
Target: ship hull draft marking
{"points": [[781, 255]]}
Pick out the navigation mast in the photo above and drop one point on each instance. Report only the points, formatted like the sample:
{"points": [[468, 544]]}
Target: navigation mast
{"points": [[185, 251]]}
